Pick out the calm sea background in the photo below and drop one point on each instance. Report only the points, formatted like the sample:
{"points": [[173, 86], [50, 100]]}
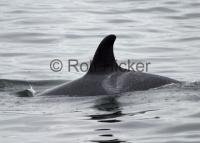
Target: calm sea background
{"points": [[34, 32]]}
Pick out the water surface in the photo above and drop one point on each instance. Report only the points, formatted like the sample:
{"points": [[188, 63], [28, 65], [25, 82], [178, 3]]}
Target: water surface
{"points": [[165, 33]]}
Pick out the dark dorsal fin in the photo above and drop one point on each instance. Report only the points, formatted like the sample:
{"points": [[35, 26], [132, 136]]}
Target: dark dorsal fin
{"points": [[104, 60]]}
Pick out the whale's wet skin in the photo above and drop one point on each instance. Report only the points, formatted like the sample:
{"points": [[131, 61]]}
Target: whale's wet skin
{"points": [[165, 33], [105, 77]]}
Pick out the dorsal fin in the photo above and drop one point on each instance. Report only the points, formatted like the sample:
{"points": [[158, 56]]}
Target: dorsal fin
{"points": [[104, 60]]}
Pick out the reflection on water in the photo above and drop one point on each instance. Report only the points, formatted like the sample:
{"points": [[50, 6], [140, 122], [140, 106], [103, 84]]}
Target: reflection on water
{"points": [[109, 103], [112, 114], [110, 141], [112, 107]]}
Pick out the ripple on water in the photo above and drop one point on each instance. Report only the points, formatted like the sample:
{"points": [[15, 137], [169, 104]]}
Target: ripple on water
{"points": [[186, 127], [25, 37], [155, 10]]}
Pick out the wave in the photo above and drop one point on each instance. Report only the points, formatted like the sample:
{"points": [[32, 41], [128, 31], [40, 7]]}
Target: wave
{"points": [[10, 85]]}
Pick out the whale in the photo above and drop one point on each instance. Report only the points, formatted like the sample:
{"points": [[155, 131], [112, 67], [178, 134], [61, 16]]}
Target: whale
{"points": [[106, 77]]}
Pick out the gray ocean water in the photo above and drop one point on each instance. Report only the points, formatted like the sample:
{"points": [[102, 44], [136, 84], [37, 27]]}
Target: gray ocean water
{"points": [[34, 32]]}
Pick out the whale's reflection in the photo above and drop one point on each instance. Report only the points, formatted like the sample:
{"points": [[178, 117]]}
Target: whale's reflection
{"points": [[111, 108], [108, 103], [110, 141], [109, 111]]}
